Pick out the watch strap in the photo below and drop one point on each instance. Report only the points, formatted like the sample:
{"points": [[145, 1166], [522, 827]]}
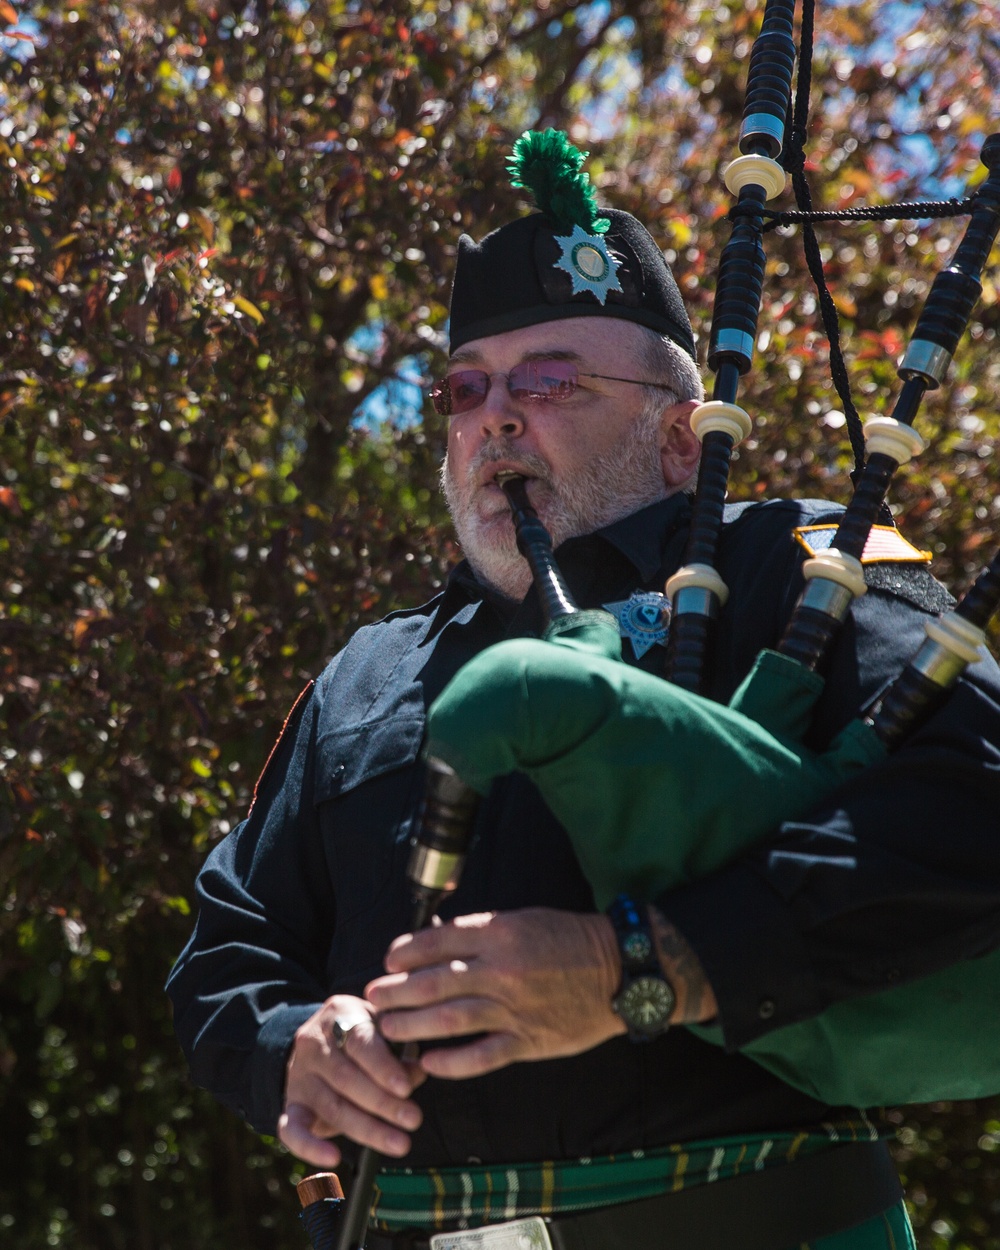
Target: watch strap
{"points": [[645, 998], [634, 936]]}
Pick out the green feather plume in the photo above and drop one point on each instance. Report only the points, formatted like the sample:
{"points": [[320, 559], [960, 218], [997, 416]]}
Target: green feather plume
{"points": [[549, 166]]}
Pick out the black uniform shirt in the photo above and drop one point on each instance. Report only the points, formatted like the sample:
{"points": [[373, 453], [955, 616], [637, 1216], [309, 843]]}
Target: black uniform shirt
{"points": [[898, 875]]}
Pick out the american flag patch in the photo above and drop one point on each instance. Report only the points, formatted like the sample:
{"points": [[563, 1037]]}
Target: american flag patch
{"points": [[885, 544]]}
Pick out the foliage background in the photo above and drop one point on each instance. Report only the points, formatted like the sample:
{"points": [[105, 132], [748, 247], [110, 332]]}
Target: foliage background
{"points": [[227, 231]]}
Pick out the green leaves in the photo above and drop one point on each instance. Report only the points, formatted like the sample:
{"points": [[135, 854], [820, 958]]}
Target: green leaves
{"points": [[206, 207]]}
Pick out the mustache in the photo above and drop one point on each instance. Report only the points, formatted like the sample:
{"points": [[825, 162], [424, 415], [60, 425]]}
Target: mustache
{"points": [[502, 449]]}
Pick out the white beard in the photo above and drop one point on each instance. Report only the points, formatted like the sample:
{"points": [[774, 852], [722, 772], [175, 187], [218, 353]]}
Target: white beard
{"points": [[612, 486]]}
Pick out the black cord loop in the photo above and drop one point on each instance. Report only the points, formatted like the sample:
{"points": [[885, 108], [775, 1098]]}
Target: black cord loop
{"points": [[905, 210], [795, 164]]}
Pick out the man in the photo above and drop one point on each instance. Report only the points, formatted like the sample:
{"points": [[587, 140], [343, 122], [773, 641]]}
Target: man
{"points": [[573, 365]]}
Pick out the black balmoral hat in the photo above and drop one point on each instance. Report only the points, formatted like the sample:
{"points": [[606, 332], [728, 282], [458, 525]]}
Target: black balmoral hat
{"points": [[570, 260]]}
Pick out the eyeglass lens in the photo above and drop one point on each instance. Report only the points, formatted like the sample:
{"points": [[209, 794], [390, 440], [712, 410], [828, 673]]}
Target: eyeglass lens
{"points": [[532, 381]]}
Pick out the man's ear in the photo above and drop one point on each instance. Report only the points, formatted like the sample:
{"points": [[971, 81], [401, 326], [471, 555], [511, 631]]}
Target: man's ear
{"points": [[680, 447]]}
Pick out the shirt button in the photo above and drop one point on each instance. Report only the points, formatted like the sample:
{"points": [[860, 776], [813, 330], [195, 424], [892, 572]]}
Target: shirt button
{"points": [[766, 1009]]}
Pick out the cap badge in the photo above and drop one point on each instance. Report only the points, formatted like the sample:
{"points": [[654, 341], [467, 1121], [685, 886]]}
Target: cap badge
{"points": [[591, 267], [643, 618]]}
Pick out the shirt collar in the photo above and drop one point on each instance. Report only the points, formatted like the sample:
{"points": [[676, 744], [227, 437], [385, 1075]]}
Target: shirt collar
{"points": [[641, 538]]}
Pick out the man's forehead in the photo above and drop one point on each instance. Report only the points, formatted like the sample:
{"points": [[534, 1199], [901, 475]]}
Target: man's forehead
{"points": [[470, 355], [571, 338]]}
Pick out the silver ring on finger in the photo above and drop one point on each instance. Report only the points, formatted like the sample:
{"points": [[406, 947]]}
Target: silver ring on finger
{"points": [[341, 1027]]}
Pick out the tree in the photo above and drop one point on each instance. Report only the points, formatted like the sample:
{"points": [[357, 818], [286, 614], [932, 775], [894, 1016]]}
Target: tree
{"points": [[228, 230]]}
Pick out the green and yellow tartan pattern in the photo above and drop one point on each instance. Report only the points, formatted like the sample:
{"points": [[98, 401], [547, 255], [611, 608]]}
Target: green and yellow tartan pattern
{"points": [[437, 1198]]}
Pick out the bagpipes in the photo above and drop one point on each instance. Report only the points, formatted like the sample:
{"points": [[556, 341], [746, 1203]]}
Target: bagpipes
{"points": [[657, 785], [617, 752]]}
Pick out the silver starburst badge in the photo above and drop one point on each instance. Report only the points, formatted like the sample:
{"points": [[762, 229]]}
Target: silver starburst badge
{"points": [[585, 257], [644, 619]]}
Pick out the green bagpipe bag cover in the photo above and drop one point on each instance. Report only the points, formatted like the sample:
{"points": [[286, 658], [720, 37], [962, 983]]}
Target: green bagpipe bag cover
{"points": [[657, 786]]}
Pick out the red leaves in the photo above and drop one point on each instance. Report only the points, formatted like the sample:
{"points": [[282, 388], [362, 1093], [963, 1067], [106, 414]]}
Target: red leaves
{"points": [[878, 346], [167, 306], [9, 499], [93, 302]]}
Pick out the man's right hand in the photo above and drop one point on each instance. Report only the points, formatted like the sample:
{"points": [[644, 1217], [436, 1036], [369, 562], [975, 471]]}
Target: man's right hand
{"points": [[360, 1090]]}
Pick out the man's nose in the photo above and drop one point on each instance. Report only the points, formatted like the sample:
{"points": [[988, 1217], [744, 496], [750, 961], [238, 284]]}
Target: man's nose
{"points": [[500, 413]]}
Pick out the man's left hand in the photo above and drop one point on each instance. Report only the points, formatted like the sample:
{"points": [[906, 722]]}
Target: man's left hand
{"points": [[537, 983]]}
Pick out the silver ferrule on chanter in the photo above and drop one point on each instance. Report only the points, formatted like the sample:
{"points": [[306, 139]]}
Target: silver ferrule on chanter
{"points": [[696, 590], [439, 847]]}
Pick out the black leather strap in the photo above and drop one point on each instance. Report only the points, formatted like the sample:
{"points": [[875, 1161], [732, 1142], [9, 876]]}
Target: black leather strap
{"points": [[775, 1209]]}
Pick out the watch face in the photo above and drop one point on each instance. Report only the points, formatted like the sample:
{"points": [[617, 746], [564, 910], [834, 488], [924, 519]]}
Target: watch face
{"points": [[645, 1004]]}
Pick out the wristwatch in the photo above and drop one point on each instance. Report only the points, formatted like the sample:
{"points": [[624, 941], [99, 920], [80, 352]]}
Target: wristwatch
{"points": [[645, 997]]}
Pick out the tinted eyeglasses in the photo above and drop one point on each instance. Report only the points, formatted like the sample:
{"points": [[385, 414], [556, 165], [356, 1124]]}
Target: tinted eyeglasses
{"points": [[533, 382]]}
